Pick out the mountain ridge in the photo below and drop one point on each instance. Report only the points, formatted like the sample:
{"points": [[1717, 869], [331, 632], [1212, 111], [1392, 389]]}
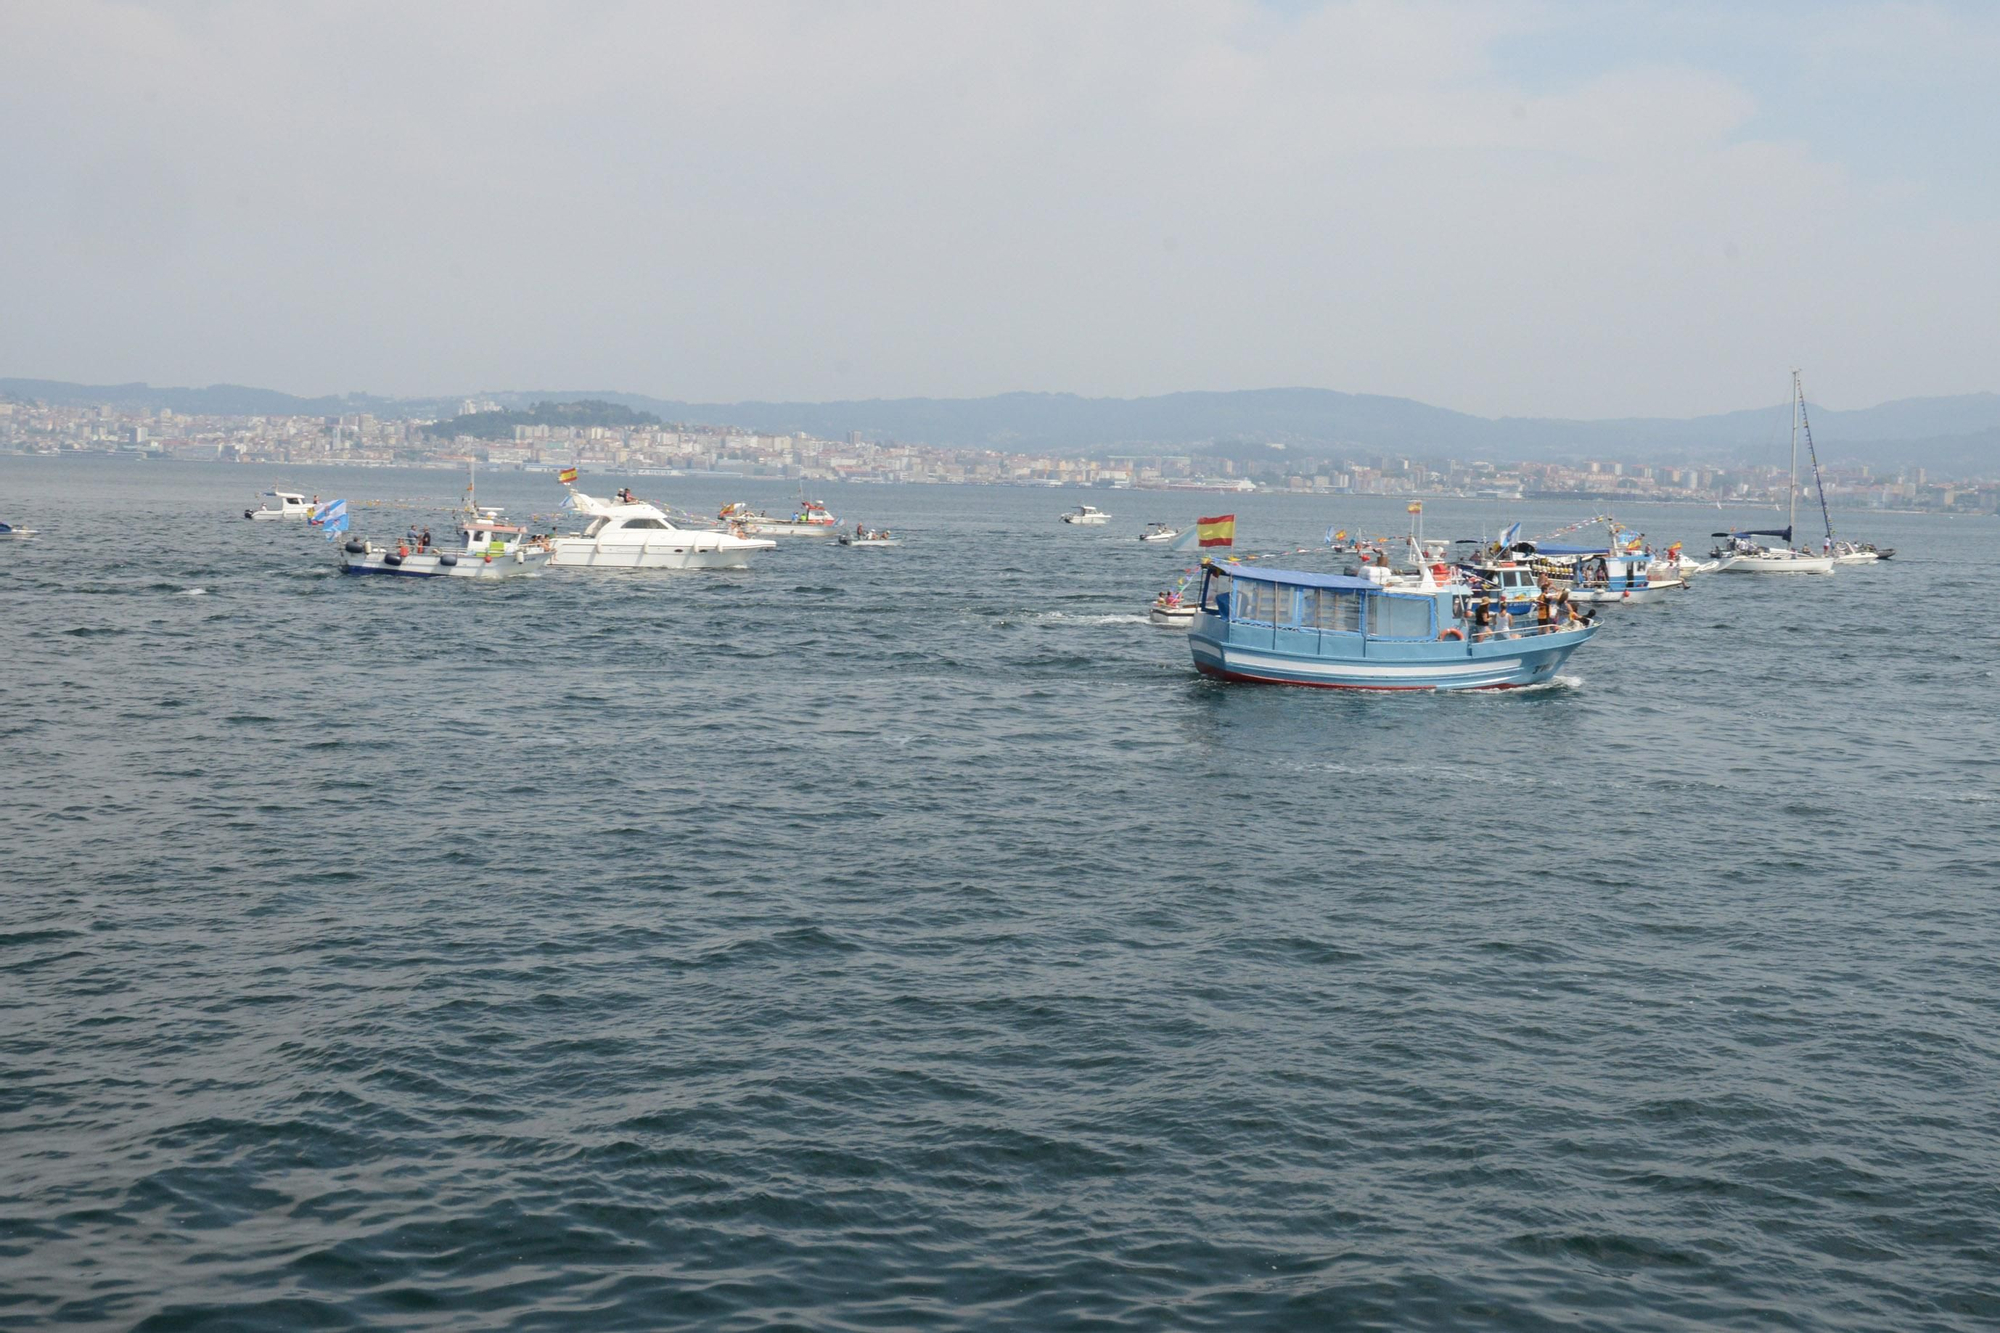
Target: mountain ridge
{"points": [[1954, 431]]}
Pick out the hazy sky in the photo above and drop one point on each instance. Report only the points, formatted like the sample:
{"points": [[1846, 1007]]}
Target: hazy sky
{"points": [[1592, 209]]}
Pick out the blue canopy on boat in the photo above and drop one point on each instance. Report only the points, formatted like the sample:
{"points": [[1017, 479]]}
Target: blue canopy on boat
{"points": [[1296, 578]]}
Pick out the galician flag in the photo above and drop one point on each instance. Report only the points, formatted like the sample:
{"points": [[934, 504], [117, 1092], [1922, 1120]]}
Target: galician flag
{"points": [[566, 476], [1219, 531]]}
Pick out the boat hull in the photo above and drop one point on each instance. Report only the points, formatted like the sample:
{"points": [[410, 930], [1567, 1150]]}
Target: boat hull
{"points": [[1652, 592], [782, 529], [431, 565], [1172, 619], [891, 541], [585, 553], [272, 515], [1297, 657], [1773, 564]]}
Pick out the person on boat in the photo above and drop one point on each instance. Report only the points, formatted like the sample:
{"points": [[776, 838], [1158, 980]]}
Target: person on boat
{"points": [[1482, 618], [1545, 611], [424, 540], [410, 537]]}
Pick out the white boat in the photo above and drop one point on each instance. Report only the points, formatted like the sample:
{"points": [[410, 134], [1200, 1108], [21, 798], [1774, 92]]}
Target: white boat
{"points": [[1089, 515], [1172, 609], [1159, 532], [290, 504], [810, 519], [629, 533], [863, 536], [1742, 555], [10, 533], [1840, 551], [492, 550]]}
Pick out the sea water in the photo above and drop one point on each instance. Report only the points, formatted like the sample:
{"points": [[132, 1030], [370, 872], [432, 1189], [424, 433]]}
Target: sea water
{"points": [[908, 938]]}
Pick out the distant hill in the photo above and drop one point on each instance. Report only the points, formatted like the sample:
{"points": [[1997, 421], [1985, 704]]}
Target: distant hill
{"points": [[1953, 434], [1929, 432], [583, 412], [215, 400]]}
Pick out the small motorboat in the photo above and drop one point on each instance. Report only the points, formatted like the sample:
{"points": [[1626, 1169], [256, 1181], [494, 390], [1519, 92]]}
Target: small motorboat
{"points": [[492, 550], [10, 533], [1159, 532], [1087, 515], [290, 504], [865, 536], [810, 519], [1172, 609], [1859, 553]]}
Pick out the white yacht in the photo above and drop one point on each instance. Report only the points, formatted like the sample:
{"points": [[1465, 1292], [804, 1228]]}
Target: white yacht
{"points": [[290, 504], [492, 550], [1089, 515], [10, 533], [632, 534]]}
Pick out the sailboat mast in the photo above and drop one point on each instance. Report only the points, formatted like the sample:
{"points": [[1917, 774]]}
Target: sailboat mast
{"points": [[1792, 521], [1812, 452]]}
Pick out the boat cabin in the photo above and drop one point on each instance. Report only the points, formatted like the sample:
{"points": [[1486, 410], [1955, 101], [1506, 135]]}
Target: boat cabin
{"points": [[637, 524], [1321, 605], [484, 537]]}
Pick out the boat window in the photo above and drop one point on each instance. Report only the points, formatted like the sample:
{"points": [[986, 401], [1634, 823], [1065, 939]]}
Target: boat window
{"points": [[1214, 586], [653, 524], [1331, 609], [1260, 602], [1394, 617]]}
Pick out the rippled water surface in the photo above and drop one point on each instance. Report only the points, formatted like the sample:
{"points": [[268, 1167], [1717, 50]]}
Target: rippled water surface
{"points": [[909, 939]]}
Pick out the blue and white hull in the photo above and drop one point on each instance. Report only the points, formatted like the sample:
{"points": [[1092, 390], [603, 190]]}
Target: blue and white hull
{"points": [[1332, 631], [1500, 664]]}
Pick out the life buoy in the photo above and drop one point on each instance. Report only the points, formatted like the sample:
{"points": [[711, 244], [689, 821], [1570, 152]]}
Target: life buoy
{"points": [[1457, 634]]}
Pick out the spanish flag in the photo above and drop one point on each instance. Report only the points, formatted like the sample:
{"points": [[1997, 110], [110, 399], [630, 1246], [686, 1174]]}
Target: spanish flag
{"points": [[566, 476], [1217, 531]]}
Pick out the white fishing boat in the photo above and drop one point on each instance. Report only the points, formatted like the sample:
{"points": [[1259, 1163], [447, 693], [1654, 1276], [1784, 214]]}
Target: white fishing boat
{"points": [[629, 533], [288, 504], [810, 519], [10, 533], [866, 536], [1159, 532], [492, 550], [1086, 515], [1742, 555]]}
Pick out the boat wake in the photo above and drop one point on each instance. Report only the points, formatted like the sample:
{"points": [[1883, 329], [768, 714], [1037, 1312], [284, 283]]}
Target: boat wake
{"points": [[1109, 618], [194, 592]]}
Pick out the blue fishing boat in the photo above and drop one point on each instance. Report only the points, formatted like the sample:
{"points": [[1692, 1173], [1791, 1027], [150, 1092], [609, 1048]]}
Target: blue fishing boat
{"points": [[1338, 631]]}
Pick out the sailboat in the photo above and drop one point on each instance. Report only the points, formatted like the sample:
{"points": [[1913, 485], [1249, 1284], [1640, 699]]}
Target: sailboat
{"points": [[1741, 555], [1843, 552]]}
